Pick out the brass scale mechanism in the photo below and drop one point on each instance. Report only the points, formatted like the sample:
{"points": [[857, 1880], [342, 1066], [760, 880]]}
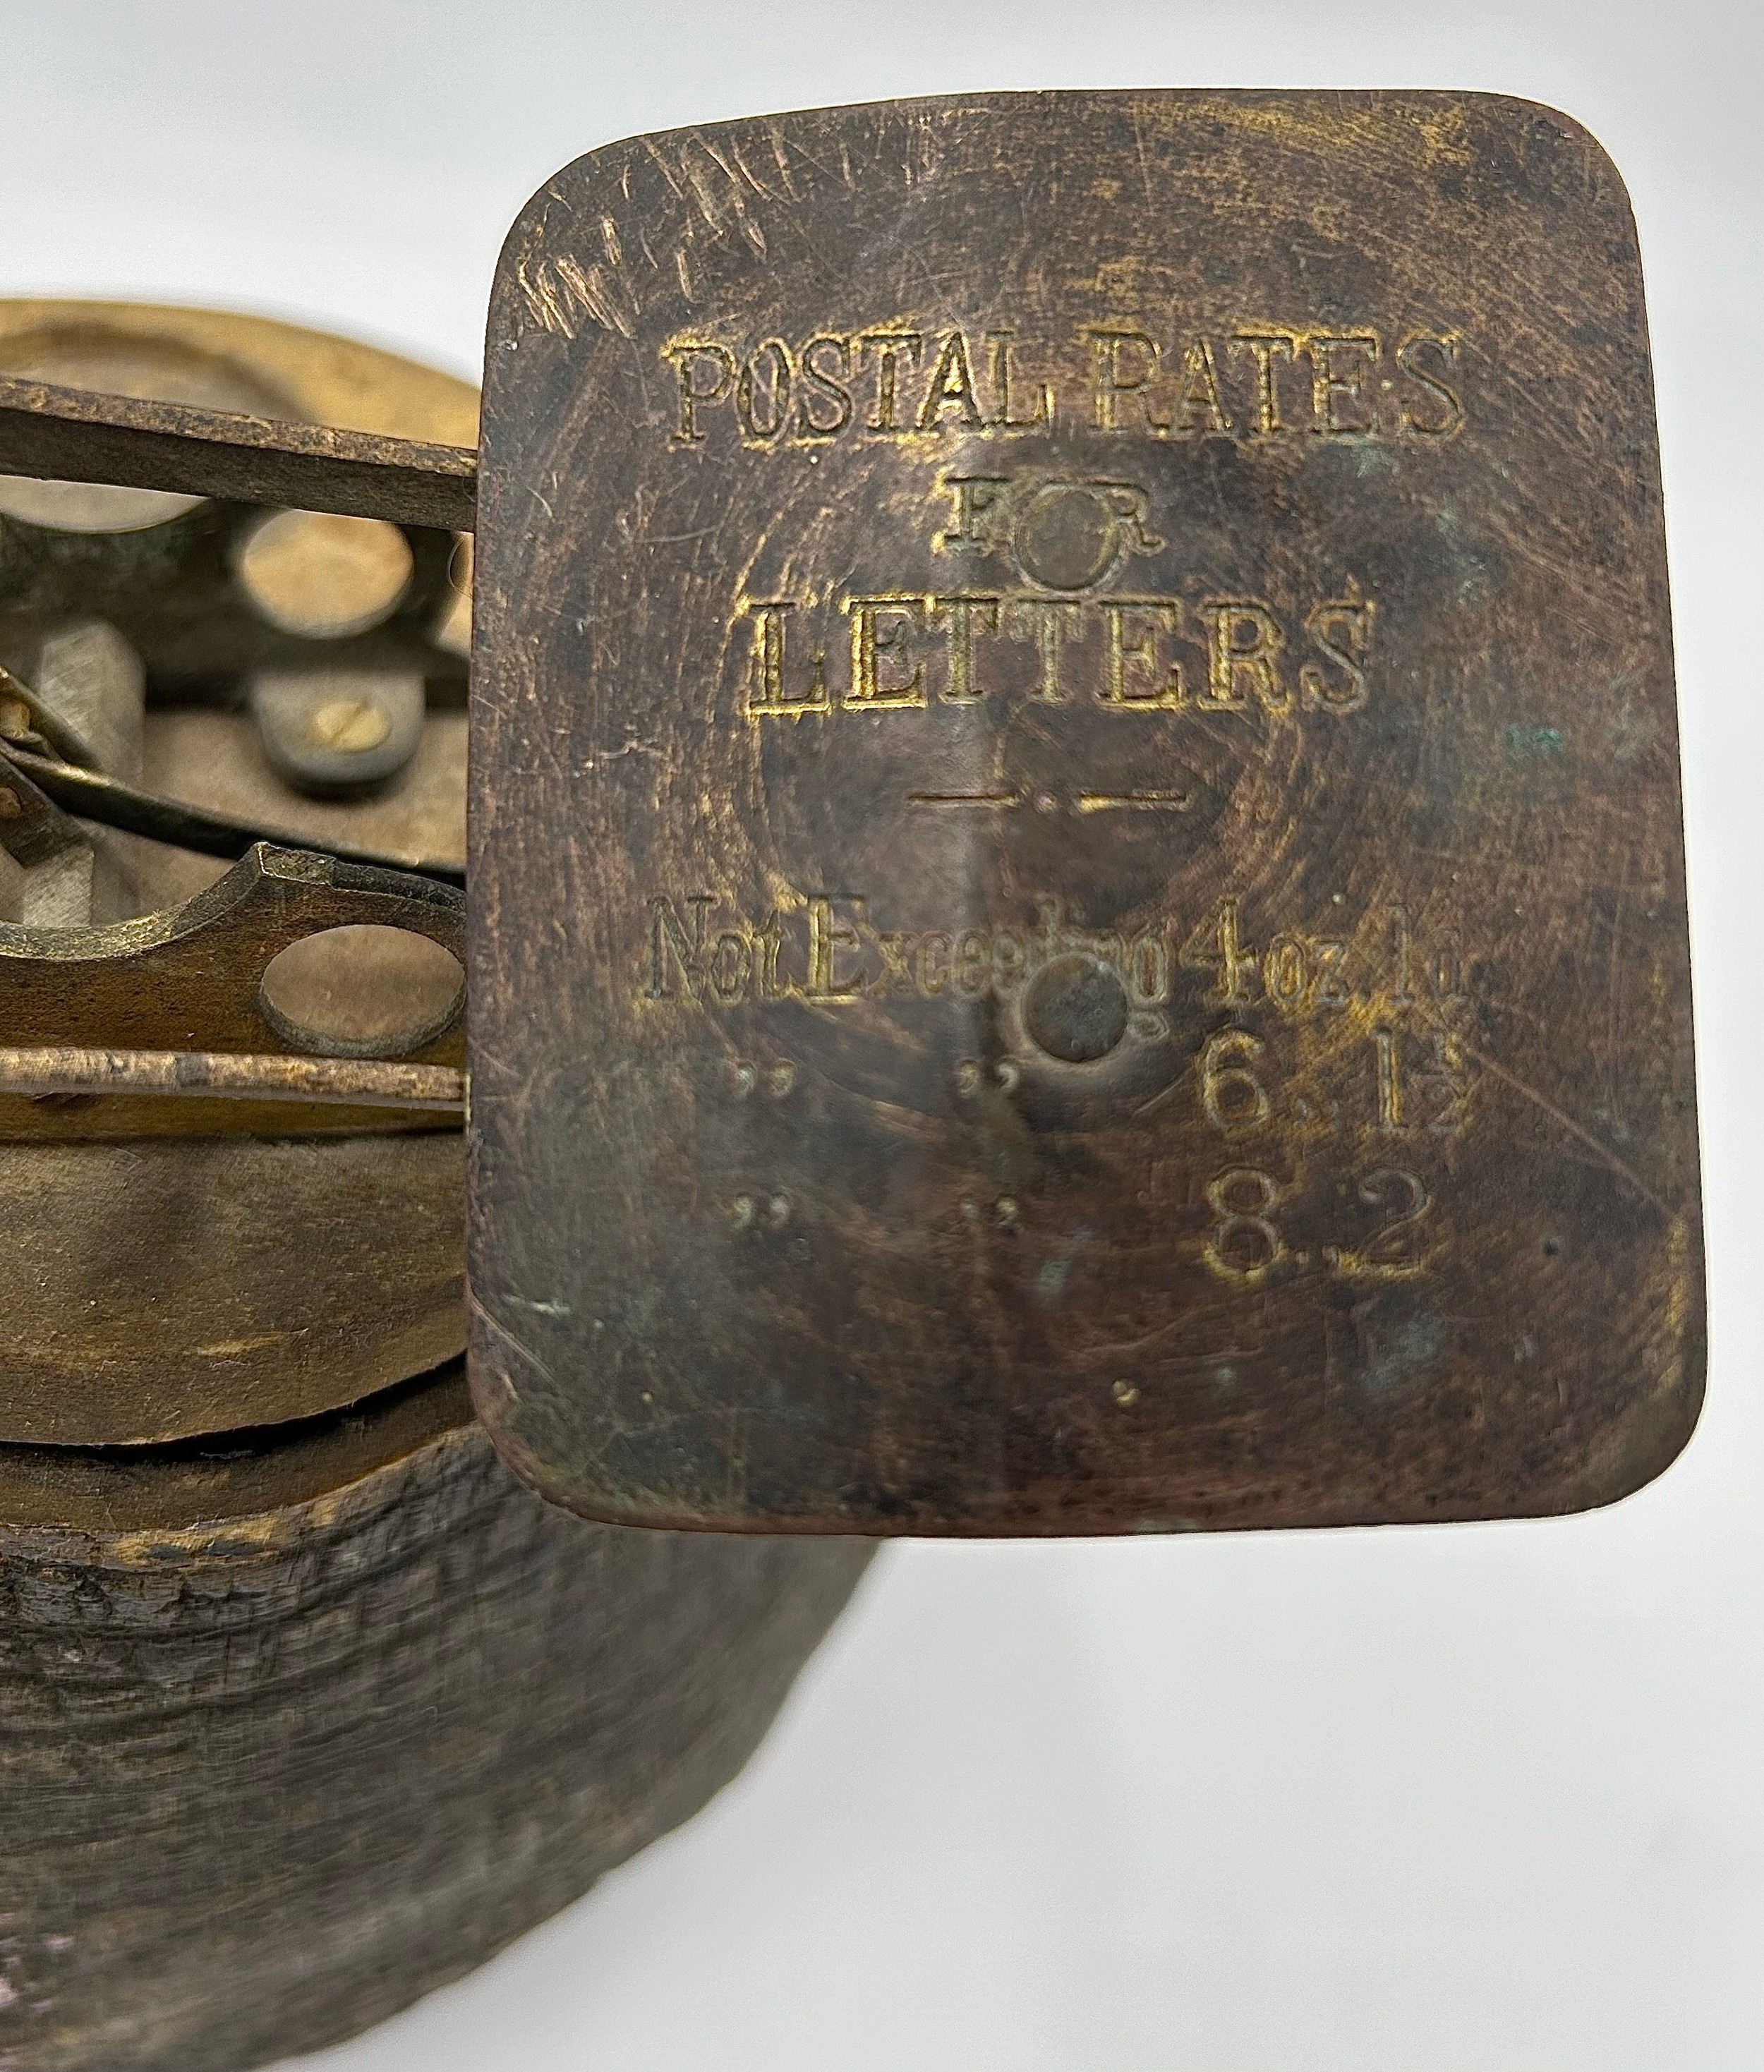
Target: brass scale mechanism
{"points": [[188, 1265], [1075, 917]]}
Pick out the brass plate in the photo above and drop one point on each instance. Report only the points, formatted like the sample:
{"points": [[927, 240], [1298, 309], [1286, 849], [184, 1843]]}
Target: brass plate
{"points": [[1077, 908]]}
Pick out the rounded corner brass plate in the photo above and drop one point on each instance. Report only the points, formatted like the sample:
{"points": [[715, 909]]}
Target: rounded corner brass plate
{"points": [[1078, 913]]}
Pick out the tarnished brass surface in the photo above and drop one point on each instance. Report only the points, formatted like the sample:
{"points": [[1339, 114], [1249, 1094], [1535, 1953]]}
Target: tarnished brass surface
{"points": [[304, 1709], [1077, 895], [66, 1068], [181, 1286], [259, 1472], [90, 796], [224, 359], [214, 760]]}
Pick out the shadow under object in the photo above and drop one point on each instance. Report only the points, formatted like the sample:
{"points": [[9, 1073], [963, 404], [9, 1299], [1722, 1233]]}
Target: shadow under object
{"points": [[306, 1706]]}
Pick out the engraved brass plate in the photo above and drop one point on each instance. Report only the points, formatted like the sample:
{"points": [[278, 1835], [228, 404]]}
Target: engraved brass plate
{"points": [[1078, 907]]}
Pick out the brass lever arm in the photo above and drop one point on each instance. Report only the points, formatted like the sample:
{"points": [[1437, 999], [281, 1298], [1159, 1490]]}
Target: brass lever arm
{"points": [[91, 796], [80, 435]]}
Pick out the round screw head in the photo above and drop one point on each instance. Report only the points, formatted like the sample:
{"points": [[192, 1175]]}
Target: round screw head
{"points": [[352, 725]]}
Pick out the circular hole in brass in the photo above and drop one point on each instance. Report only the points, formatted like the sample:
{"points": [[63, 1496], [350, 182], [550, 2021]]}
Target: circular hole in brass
{"points": [[364, 991], [315, 574], [1076, 1009]]}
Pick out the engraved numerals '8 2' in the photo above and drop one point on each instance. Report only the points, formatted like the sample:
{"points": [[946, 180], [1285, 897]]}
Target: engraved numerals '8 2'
{"points": [[1247, 1239]]}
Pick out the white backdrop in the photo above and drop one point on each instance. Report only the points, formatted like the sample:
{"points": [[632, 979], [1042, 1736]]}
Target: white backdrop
{"points": [[1464, 1799]]}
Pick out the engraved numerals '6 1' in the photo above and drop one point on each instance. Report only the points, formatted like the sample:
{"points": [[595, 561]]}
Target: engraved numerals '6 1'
{"points": [[1403, 1096]]}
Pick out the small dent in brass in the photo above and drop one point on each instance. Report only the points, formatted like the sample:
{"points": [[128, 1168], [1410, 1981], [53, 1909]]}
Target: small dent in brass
{"points": [[1076, 1009], [1066, 538]]}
